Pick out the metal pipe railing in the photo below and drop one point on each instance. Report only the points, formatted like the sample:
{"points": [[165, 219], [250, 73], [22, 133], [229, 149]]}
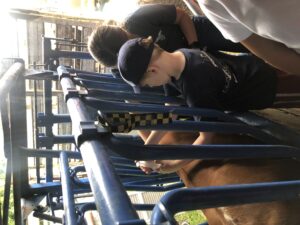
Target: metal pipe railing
{"points": [[68, 195], [229, 195], [105, 184], [18, 132]]}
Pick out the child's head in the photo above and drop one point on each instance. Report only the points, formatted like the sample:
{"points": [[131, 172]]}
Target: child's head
{"points": [[140, 63], [105, 42]]}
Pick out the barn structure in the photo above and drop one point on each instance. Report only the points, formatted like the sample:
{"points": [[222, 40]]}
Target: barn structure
{"points": [[65, 162]]}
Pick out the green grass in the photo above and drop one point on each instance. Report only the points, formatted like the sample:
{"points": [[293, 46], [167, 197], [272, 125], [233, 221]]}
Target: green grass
{"points": [[192, 217], [11, 206]]}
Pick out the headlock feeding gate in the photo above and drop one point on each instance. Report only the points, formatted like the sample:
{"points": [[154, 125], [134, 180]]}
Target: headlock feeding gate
{"points": [[108, 157]]}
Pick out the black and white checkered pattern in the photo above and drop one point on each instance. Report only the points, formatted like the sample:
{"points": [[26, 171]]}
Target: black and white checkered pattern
{"points": [[125, 122]]}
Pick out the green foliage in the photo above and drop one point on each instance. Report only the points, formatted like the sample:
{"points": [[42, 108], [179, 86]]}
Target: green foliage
{"points": [[191, 218], [11, 201]]}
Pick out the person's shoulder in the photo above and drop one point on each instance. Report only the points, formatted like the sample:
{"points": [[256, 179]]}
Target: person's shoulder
{"points": [[153, 7], [152, 14]]}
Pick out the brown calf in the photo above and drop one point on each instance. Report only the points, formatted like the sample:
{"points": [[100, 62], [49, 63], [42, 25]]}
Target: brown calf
{"points": [[201, 173]]}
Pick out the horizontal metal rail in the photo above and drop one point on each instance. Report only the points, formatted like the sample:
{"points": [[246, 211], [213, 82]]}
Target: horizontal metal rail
{"points": [[211, 197], [152, 152]]}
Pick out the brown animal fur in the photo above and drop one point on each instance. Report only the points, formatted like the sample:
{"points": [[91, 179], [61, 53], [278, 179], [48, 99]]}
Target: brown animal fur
{"points": [[201, 173]]}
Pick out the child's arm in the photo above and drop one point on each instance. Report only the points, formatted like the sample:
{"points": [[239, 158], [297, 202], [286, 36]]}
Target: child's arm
{"points": [[155, 137], [170, 166], [144, 134], [204, 138]]}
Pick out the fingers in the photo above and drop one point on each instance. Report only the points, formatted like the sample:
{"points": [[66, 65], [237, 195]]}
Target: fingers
{"points": [[141, 165], [146, 170]]}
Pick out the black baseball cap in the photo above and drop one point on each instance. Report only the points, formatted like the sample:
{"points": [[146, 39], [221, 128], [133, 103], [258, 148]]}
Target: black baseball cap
{"points": [[133, 60]]}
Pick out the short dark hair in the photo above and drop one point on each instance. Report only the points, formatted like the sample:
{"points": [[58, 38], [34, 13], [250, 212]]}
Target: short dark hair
{"points": [[105, 42]]}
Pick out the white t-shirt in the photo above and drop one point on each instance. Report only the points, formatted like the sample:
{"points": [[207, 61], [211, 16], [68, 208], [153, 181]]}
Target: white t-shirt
{"points": [[278, 20]]}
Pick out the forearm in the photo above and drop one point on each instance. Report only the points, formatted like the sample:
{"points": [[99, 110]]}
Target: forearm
{"points": [[144, 134], [204, 138], [274, 53], [194, 7], [155, 137], [186, 25]]}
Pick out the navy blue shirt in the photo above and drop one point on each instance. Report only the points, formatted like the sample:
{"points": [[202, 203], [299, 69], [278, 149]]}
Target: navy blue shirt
{"points": [[226, 82], [152, 20]]}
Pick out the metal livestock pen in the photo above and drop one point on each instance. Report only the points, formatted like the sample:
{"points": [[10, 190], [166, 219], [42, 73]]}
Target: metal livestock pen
{"points": [[108, 157]]}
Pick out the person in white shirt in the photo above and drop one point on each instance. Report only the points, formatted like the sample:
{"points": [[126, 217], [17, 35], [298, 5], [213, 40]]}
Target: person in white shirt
{"points": [[268, 28]]}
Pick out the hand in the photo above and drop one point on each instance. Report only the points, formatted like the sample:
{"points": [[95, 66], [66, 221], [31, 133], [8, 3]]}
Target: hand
{"points": [[170, 166], [148, 166]]}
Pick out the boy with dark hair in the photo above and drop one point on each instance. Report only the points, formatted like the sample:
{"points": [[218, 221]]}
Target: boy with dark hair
{"points": [[170, 26], [217, 81]]}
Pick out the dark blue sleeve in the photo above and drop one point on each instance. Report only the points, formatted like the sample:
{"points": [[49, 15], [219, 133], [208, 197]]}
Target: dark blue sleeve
{"points": [[210, 37], [148, 19]]}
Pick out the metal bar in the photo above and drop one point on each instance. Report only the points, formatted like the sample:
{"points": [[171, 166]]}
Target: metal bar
{"points": [[91, 206], [68, 195], [104, 86], [18, 138], [144, 207], [70, 54], [9, 78], [47, 217], [131, 107], [218, 127], [106, 78], [154, 152], [110, 95], [50, 153], [212, 197], [71, 40], [105, 184], [153, 188], [46, 120], [55, 139], [118, 87], [48, 127], [54, 187], [73, 70], [5, 125], [36, 131], [153, 181]]}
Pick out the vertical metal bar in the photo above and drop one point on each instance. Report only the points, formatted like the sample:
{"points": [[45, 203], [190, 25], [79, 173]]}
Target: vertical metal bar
{"points": [[18, 138], [68, 195], [48, 127], [36, 132], [111, 199]]}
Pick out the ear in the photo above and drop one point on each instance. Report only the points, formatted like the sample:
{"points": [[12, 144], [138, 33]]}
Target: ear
{"points": [[146, 42], [151, 69]]}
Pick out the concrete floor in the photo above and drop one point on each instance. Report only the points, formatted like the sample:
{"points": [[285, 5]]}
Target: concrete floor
{"points": [[286, 117]]}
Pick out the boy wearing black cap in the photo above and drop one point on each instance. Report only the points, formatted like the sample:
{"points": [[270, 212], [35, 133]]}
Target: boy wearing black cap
{"points": [[217, 81]]}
